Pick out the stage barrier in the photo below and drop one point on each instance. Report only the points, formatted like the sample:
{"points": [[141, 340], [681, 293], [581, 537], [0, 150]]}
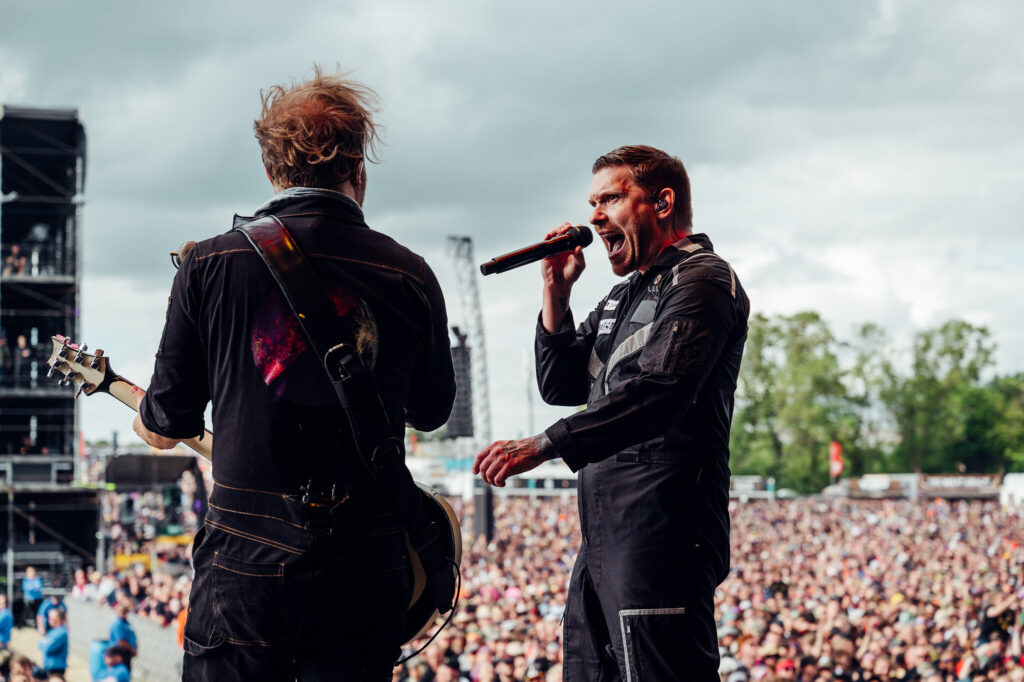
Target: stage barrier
{"points": [[159, 658]]}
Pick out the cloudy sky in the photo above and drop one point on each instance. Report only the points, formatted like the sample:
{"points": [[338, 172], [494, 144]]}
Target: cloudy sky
{"points": [[862, 159]]}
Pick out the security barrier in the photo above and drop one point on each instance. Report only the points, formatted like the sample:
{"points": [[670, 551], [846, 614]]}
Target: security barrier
{"points": [[159, 658]]}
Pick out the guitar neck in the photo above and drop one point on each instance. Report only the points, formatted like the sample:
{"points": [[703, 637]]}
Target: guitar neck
{"points": [[121, 389]]}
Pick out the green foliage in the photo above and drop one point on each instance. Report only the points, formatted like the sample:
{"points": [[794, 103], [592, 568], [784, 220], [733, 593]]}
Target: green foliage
{"points": [[926, 409], [791, 401], [932, 403]]}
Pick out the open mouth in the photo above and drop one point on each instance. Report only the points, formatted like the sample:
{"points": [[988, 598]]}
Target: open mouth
{"points": [[614, 242]]}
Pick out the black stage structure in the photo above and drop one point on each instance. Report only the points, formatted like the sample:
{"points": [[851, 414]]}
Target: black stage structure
{"points": [[46, 521]]}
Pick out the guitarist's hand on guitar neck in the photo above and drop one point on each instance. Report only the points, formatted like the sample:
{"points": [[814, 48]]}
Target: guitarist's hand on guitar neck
{"points": [[153, 439], [90, 373]]}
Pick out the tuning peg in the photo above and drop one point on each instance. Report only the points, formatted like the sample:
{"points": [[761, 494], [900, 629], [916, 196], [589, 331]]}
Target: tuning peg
{"points": [[56, 363], [81, 350], [64, 383], [95, 364], [81, 388]]}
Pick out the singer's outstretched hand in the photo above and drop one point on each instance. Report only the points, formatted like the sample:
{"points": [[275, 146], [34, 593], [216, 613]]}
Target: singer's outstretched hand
{"points": [[560, 272], [505, 458]]}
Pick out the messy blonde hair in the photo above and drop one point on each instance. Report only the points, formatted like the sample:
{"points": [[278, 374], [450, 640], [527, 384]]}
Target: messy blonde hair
{"points": [[317, 133]]}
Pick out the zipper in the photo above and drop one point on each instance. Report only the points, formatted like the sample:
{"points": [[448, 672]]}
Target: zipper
{"points": [[581, 503]]}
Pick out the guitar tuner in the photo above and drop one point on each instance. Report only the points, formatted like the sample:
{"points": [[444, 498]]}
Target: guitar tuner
{"points": [[53, 368], [70, 364]]}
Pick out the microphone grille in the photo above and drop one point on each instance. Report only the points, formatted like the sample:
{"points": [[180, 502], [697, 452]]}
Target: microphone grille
{"points": [[583, 235]]}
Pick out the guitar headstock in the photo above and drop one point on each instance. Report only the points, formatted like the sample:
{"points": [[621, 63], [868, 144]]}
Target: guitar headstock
{"points": [[86, 371]]}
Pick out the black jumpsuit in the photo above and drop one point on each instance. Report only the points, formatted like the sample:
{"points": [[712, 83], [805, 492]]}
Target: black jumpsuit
{"points": [[656, 362]]}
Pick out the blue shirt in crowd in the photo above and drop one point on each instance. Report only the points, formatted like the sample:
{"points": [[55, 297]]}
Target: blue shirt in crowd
{"points": [[32, 588], [54, 645], [45, 608], [117, 673], [121, 629], [6, 623]]}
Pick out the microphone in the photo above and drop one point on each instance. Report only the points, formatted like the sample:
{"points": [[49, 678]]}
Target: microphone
{"points": [[579, 235]]}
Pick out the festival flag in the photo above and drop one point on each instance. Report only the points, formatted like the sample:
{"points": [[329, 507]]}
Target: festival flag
{"points": [[835, 459]]}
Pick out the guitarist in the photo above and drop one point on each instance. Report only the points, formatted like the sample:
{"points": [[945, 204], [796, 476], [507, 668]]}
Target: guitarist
{"points": [[301, 568]]}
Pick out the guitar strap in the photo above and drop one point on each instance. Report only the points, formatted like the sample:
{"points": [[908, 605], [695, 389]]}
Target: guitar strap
{"points": [[380, 451]]}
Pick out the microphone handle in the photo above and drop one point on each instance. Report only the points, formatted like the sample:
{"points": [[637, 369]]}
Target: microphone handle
{"points": [[529, 254]]}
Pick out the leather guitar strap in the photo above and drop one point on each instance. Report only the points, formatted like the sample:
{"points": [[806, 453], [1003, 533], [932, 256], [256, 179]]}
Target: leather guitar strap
{"points": [[379, 449]]}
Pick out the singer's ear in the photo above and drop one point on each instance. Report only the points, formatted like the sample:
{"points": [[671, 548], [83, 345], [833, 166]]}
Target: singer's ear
{"points": [[664, 200]]}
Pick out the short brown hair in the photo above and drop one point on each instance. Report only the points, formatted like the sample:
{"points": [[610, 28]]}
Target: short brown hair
{"points": [[316, 133], [654, 170]]}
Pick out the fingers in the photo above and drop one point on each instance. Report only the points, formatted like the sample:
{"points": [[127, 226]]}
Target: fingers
{"points": [[485, 461], [480, 458], [493, 464], [581, 261], [564, 227], [501, 475]]}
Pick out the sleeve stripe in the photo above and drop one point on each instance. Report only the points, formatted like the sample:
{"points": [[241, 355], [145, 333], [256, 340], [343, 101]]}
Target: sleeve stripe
{"points": [[595, 365]]}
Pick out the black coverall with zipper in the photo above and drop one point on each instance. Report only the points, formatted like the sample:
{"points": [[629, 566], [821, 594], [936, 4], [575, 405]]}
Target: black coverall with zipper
{"points": [[656, 363]]}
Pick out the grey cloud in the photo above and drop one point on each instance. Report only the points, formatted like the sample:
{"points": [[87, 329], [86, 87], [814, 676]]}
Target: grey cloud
{"points": [[890, 124]]}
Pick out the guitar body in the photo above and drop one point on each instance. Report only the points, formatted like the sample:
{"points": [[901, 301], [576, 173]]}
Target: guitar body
{"points": [[90, 373], [422, 611]]}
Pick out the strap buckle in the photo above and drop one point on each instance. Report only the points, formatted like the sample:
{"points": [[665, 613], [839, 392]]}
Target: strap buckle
{"points": [[342, 362]]}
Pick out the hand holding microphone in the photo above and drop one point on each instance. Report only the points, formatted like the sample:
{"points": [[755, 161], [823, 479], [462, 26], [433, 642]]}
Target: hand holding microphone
{"points": [[561, 270], [565, 239]]}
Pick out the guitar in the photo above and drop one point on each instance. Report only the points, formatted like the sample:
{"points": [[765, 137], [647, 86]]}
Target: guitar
{"points": [[90, 373]]}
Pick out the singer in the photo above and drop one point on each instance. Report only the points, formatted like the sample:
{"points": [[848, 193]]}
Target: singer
{"points": [[656, 364]]}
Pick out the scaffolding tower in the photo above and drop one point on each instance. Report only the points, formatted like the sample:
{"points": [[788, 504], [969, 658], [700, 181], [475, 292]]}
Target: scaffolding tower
{"points": [[461, 250], [45, 521]]}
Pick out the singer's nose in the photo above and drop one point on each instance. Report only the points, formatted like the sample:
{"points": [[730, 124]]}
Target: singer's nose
{"points": [[597, 216]]}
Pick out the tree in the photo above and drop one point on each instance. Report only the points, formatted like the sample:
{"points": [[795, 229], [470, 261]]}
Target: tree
{"points": [[792, 401], [1006, 431], [755, 442], [865, 381], [929, 403], [799, 388]]}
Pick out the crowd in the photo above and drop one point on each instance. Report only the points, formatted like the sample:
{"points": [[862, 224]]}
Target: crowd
{"points": [[513, 593], [874, 590], [819, 590]]}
